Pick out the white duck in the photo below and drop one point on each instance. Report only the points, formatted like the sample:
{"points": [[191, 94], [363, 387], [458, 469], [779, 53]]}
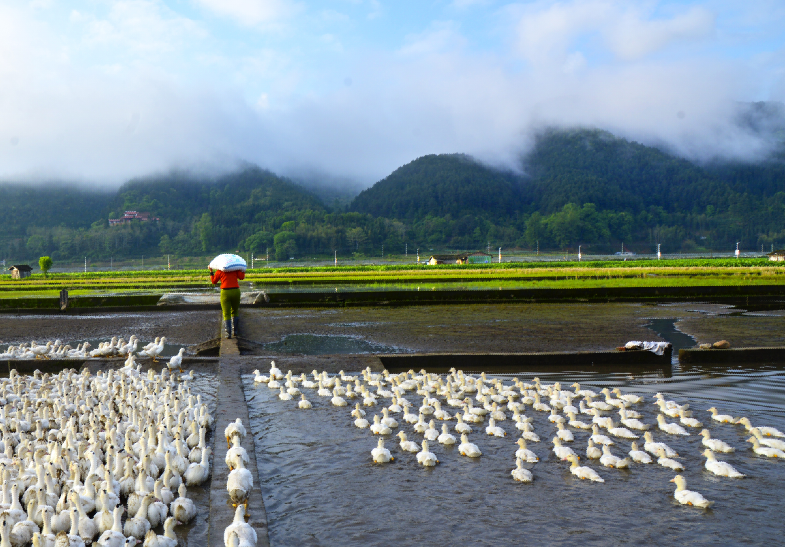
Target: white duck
{"points": [[468, 449], [523, 453], [259, 378], [722, 469], [621, 432], [715, 444], [235, 454], [378, 428], [765, 431], [169, 539], [406, 444], [381, 454], [304, 403], [598, 438], [583, 472], [651, 447], [138, 526], [564, 434], [768, 441], [593, 452], [686, 420], [665, 461], [670, 428], [461, 426], [767, 451], [494, 430], [176, 362], [197, 473], [562, 452], [239, 484], [688, 497], [234, 428], [721, 418], [609, 460], [639, 456], [520, 473], [244, 531], [634, 423], [446, 437], [426, 457], [183, 508]]}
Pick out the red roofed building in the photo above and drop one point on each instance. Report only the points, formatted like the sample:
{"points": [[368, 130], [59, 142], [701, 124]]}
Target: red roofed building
{"points": [[130, 216]]}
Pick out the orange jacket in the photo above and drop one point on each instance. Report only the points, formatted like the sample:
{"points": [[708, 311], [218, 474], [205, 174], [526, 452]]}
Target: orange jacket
{"points": [[228, 279]]}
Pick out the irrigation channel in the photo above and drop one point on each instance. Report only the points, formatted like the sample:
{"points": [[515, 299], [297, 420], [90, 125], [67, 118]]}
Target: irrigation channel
{"points": [[316, 483]]}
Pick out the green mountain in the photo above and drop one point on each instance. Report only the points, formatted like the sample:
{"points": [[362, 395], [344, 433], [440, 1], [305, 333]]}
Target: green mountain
{"points": [[442, 185], [580, 187], [585, 187]]}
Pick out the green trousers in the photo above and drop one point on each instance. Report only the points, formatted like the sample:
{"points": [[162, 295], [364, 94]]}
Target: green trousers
{"points": [[230, 302]]}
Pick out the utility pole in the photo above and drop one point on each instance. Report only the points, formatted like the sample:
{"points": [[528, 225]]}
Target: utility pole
{"points": [[168, 263], [737, 253], [579, 253], [538, 247], [252, 261], [85, 264], [659, 254], [268, 255], [500, 255], [418, 256], [336, 257]]}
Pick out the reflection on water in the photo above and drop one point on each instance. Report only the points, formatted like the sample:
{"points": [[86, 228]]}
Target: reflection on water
{"points": [[666, 329], [327, 344], [321, 488]]}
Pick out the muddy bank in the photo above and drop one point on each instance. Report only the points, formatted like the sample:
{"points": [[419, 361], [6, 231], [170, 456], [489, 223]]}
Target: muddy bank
{"points": [[491, 328], [740, 331], [179, 327], [499, 328]]}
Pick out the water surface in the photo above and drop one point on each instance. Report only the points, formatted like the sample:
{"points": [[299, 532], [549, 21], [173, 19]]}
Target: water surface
{"points": [[321, 488]]}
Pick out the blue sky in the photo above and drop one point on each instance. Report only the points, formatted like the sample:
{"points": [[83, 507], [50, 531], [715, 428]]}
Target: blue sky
{"points": [[103, 90]]}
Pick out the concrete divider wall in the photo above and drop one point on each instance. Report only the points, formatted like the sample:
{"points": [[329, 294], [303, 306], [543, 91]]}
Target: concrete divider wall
{"points": [[408, 297], [609, 361]]}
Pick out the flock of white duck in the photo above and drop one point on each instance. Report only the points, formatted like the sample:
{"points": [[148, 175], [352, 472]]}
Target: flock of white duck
{"points": [[56, 349], [101, 459], [239, 485], [608, 410]]}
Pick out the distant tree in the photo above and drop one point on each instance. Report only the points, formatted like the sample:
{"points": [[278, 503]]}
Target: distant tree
{"points": [[45, 263]]}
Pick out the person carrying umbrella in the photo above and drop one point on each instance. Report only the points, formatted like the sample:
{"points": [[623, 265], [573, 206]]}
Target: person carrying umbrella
{"points": [[230, 297]]}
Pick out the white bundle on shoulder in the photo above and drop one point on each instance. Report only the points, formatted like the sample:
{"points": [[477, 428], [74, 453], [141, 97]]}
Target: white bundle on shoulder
{"points": [[228, 263]]}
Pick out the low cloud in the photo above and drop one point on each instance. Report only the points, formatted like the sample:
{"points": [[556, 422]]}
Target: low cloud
{"points": [[614, 65]]}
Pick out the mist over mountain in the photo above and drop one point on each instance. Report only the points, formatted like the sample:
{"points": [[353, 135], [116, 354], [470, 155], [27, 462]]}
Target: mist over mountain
{"points": [[576, 187]]}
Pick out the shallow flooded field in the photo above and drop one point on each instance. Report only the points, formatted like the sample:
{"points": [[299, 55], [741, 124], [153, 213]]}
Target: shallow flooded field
{"points": [[321, 487]]}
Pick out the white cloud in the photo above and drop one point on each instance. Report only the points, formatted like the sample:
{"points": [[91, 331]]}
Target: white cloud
{"points": [[546, 31], [142, 89], [632, 37], [138, 26], [253, 12], [440, 37]]}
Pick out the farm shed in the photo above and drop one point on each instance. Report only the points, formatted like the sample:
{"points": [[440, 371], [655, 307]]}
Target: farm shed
{"points": [[777, 256], [20, 271]]}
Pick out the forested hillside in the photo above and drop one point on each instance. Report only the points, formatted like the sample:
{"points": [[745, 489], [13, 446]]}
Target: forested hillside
{"points": [[581, 187]]}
